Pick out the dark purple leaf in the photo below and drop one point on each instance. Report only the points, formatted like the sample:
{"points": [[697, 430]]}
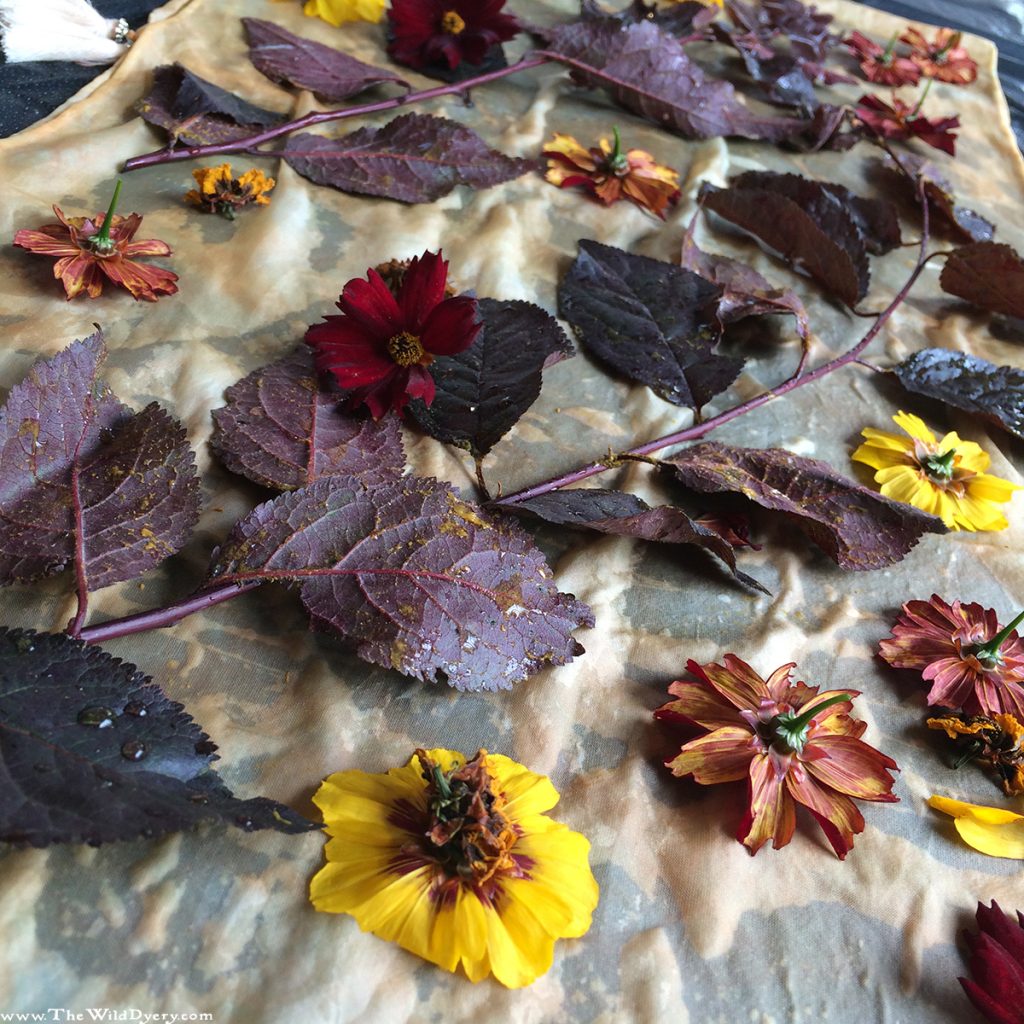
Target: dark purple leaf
{"points": [[482, 392], [948, 216], [806, 27], [93, 751], [196, 112], [647, 71], [856, 527], [414, 578], [416, 158], [967, 382], [284, 426], [822, 229], [744, 291], [651, 321], [293, 60], [988, 275], [626, 515], [86, 483]]}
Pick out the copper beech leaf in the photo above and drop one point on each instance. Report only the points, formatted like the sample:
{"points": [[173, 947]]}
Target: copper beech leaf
{"points": [[651, 321], [483, 391], [646, 70], [745, 292], [986, 274], [416, 158], [85, 483], [856, 527], [626, 515], [821, 228], [198, 113], [413, 578], [93, 751], [285, 426], [294, 60], [967, 382]]}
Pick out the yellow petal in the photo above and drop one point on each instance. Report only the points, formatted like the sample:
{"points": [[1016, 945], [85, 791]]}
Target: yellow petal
{"points": [[337, 12], [991, 830], [525, 791], [914, 426]]}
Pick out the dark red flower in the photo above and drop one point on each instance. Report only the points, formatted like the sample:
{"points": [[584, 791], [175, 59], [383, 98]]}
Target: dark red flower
{"points": [[882, 65], [381, 346], [903, 121], [450, 31], [996, 985], [944, 58]]}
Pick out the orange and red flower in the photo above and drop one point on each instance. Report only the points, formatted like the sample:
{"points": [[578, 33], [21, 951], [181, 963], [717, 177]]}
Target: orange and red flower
{"points": [[881, 64], [609, 174], [381, 346], [996, 985], [943, 58], [905, 121], [791, 743], [973, 663], [447, 32], [91, 249]]}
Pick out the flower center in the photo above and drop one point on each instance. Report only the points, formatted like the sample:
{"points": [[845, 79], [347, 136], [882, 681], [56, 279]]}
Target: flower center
{"points": [[467, 835], [406, 349], [939, 467], [787, 732], [452, 22]]}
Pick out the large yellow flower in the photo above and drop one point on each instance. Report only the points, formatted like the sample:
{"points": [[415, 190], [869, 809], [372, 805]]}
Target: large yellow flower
{"points": [[457, 862], [946, 478], [337, 12]]}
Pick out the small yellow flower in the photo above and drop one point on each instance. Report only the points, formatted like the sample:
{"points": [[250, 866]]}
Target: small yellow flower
{"points": [[457, 862], [991, 830], [337, 12], [946, 478], [219, 192]]}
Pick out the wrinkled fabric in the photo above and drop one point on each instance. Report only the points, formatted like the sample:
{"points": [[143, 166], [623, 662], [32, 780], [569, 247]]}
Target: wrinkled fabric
{"points": [[690, 927]]}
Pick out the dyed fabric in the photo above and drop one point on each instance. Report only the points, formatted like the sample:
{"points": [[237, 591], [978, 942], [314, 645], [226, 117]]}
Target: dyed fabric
{"points": [[689, 926]]}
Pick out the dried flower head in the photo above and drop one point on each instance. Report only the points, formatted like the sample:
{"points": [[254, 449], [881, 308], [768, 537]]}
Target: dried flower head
{"points": [[381, 346], [792, 744], [974, 664], [220, 192], [995, 742], [944, 477], [457, 862], [610, 174], [91, 249], [996, 985], [900, 120], [943, 58], [881, 64], [447, 32]]}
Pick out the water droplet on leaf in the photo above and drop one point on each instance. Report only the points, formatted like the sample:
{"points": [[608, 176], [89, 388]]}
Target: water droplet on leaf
{"points": [[134, 750], [98, 717], [136, 708]]}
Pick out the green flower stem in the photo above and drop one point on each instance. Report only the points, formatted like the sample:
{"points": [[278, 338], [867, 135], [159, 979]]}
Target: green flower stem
{"points": [[990, 650], [102, 240]]}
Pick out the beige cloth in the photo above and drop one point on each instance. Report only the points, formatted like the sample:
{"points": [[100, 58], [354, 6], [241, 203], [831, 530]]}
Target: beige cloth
{"points": [[690, 927]]}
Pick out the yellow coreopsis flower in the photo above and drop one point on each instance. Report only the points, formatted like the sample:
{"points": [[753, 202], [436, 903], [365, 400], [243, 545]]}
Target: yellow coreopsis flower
{"points": [[221, 192], [946, 478], [457, 862], [991, 830], [337, 12]]}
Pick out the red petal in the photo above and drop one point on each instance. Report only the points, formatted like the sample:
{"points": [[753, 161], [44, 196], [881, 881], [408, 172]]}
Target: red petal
{"points": [[143, 281], [422, 288], [736, 681], [772, 813], [371, 305], [701, 705], [45, 243], [835, 813], [851, 766], [452, 327], [420, 384], [343, 348], [79, 274], [722, 756], [147, 247]]}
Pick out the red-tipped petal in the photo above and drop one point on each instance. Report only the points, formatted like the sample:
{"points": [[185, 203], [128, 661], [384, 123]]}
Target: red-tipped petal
{"points": [[700, 704], [772, 812], [46, 244], [79, 274], [722, 756], [851, 766], [147, 247], [736, 681], [142, 280], [835, 813]]}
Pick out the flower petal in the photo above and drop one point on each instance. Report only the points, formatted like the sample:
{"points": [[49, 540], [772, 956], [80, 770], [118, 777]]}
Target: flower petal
{"points": [[422, 288], [452, 326], [772, 812], [142, 280], [700, 704], [722, 756], [525, 792], [851, 766], [835, 812], [372, 306], [736, 681], [991, 830]]}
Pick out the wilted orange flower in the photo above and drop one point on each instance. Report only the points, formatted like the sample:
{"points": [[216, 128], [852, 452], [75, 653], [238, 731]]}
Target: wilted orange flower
{"points": [[973, 663], [220, 192], [996, 742], [89, 249], [609, 174], [943, 58], [791, 743]]}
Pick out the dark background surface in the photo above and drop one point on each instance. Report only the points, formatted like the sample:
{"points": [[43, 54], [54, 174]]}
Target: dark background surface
{"points": [[30, 91]]}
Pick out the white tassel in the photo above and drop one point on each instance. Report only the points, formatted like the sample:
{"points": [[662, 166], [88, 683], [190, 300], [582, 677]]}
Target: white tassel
{"points": [[60, 30]]}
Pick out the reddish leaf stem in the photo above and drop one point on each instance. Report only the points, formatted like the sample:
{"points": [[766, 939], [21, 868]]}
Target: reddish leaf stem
{"points": [[172, 154]]}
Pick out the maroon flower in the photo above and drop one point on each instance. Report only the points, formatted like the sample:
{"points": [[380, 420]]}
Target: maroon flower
{"points": [[450, 31], [882, 65], [996, 985], [380, 347], [944, 58], [903, 121]]}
